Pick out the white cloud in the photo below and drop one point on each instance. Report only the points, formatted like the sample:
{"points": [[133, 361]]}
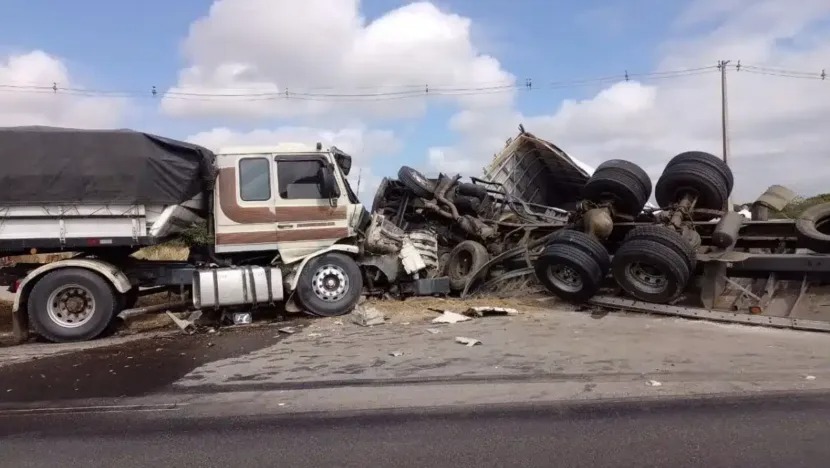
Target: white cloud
{"points": [[361, 143], [320, 46], [22, 102], [777, 125]]}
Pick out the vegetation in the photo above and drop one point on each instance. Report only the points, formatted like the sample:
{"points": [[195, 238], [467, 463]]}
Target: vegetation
{"points": [[798, 205]]}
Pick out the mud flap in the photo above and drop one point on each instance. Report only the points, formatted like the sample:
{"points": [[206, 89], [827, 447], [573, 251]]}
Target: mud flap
{"points": [[20, 326]]}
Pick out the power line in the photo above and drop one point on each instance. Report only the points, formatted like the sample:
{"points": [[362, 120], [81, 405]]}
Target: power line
{"points": [[405, 91], [388, 92]]}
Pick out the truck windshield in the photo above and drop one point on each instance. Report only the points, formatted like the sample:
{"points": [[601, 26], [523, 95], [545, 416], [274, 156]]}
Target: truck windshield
{"points": [[352, 195]]}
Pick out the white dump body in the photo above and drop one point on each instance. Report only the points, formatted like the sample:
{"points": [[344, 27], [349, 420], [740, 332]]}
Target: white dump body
{"points": [[142, 223]]}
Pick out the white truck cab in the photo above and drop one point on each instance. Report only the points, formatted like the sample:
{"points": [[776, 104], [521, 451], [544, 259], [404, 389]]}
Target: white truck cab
{"points": [[291, 198]]}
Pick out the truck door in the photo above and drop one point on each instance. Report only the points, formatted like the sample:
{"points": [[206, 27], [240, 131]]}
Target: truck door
{"points": [[244, 204], [305, 220]]}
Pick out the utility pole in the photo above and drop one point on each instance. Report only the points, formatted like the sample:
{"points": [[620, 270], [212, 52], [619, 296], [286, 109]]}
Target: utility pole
{"points": [[724, 106], [724, 110]]}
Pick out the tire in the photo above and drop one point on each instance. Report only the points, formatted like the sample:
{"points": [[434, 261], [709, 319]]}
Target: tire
{"points": [[811, 226], [635, 170], [568, 272], [472, 190], [639, 259], [53, 318], [337, 298], [620, 187], [701, 180], [469, 205], [708, 159], [668, 237], [464, 260], [587, 243], [416, 182]]}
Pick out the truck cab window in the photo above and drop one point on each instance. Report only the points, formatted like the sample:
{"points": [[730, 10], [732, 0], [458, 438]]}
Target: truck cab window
{"points": [[299, 179], [254, 179]]}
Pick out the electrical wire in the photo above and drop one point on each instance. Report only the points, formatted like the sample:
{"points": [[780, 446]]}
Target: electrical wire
{"points": [[389, 92], [405, 91]]}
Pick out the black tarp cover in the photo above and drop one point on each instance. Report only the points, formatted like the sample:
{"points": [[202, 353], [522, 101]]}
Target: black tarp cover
{"points": [[51, 165]]}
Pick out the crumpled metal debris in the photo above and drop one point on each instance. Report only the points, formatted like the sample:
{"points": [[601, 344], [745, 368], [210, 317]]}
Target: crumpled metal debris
{"points": [[484, 311], [367, 316], [467, 341], [187, 325], [450, 317]]}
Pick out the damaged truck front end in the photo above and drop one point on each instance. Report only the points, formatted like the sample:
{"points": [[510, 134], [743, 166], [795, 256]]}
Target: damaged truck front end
{"points": [[461, 225]]}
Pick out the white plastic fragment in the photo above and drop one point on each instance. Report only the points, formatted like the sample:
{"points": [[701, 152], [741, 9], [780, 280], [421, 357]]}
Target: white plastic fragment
{"points": [[410, 257], [653, 383], [810, 377], [288, 330], [467, 341], [242, 318], [450, 317], [396, 353]]}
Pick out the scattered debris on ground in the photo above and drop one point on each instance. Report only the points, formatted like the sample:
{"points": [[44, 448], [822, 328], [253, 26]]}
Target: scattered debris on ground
{"points": [[484, 311], [654, 383], [187, 325], [450, 317], [467, 341], [396, 353], [367, 316], [288, 330]]}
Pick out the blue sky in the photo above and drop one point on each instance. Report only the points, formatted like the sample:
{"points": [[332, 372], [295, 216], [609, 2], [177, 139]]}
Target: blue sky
{"points": [[135, 45], [131, 46]]}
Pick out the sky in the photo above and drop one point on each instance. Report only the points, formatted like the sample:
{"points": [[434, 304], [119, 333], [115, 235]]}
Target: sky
{"points": [[439, 85]]}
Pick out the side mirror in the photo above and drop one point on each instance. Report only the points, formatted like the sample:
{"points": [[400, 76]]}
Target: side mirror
{"points": [[328, 183]]}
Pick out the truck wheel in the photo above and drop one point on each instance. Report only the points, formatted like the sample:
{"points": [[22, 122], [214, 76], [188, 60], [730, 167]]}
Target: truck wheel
{"points": [[464, 260], [587, 243], [649, 271], [635, 170], [668, 237], [569, 272], [416, 182], [619, 186], [813, 229], [708, 159], [472, 190], [330, 285], [71, 304], [700, 180]]}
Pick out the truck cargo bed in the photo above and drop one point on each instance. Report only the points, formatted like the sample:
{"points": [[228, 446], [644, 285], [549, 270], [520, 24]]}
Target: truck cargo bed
{"points": [[65, 227]]}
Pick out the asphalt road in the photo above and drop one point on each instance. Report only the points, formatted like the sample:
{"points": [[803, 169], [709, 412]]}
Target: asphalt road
{"points": [[772, 431]]}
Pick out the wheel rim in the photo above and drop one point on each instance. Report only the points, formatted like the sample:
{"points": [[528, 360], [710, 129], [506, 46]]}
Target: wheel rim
{"points": [[71, 306], [330, 283], [565, 278], [646, 278]]}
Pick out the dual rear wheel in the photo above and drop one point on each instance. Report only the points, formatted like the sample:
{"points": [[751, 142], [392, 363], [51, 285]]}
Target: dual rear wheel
{"points": [[654, 263]]}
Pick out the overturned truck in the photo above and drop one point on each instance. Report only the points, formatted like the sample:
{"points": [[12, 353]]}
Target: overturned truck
{"points": [[595, 239]]}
